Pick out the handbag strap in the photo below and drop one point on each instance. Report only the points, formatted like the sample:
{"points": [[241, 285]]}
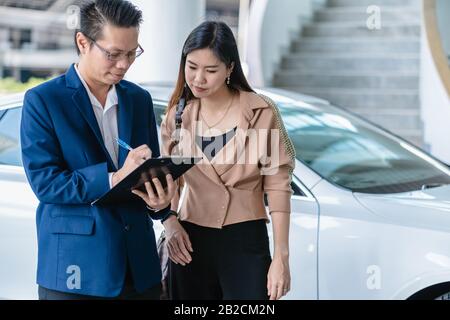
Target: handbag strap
{"points": [[178, 120]]}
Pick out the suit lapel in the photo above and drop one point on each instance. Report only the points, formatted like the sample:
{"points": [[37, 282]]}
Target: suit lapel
{"points": [[233, 151], [189, 145], [124, 120], [230, 154], [81, 100]]}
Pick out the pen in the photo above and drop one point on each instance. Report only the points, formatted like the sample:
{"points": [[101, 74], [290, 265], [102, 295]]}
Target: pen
{"points": [[123, 144]]}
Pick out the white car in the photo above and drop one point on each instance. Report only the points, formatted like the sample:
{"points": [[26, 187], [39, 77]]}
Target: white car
{"points": [[370, 214]]}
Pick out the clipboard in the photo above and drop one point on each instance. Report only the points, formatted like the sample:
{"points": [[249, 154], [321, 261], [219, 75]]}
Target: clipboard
{"points": [[151, 168]]}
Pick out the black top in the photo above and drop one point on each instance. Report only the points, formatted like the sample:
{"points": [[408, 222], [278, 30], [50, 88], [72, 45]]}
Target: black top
{"points": [[212, 145]]}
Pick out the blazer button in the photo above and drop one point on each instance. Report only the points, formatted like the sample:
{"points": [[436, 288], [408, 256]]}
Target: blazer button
{"points": [[127, 227]]}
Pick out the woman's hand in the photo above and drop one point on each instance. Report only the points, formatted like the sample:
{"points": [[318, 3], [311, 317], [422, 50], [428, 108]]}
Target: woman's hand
{"points": [[162, 198], [278, 278], [178, 242]]}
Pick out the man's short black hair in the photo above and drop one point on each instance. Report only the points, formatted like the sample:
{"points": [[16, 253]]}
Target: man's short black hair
{"points": [[94, 15]]}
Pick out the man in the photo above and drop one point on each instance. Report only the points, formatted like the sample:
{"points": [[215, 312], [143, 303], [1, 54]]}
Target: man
{"points": [[71, 157]]}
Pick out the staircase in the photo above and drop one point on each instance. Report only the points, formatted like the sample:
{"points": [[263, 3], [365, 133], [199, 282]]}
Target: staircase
{"points": [[374, 73]]}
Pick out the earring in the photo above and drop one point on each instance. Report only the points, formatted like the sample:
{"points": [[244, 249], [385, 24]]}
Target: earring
{"points": [[228, 80]]}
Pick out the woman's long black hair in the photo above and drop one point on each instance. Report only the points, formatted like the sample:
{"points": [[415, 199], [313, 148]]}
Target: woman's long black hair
{"points": [[218, 37]]}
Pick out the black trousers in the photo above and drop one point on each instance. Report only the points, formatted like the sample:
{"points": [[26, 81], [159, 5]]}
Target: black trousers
{"points": [[128, 292], [227, 263]]}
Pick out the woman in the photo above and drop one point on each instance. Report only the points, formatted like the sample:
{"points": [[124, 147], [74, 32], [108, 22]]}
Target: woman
{"points": [[219, 247]]}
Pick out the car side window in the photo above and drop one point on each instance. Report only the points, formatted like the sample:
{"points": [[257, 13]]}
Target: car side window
{"points": [[297, 190], [10, 152], [160, 111]]}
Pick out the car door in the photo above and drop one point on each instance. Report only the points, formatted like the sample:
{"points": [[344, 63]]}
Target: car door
{"points": [[18, 242], [303, 241]]}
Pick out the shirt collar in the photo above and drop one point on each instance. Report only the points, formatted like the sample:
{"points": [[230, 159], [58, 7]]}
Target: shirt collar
{"points": [[111, 99]]}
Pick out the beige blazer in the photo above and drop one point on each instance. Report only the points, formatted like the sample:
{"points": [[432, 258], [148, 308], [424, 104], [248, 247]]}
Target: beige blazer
{"points": [[230, 188]]}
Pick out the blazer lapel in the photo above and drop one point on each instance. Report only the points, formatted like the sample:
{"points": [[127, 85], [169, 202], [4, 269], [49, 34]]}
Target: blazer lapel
{"points": [[188, 145], [124, 120], [230, 154], [233, 151], [81, 100]]}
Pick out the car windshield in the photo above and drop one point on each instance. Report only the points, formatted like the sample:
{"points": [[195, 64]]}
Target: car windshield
{"points": [[10, 153], [356, 155]]}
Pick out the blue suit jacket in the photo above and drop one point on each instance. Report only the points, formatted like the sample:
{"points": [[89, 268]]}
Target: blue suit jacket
{"points": [[83, 249]]}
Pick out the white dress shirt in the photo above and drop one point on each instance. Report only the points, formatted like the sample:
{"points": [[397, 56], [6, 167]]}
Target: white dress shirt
{"points": [[107, 120]]}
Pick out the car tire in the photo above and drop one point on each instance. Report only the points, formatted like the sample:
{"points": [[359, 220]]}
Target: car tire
{"points": [[437, 292]]}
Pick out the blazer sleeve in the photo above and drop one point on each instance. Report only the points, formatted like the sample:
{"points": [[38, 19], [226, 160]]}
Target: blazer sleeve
{"points": [[278, 169], [44, 162]]}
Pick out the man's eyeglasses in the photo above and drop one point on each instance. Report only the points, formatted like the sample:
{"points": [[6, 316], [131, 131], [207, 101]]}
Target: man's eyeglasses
{"points": [[131, 56]]}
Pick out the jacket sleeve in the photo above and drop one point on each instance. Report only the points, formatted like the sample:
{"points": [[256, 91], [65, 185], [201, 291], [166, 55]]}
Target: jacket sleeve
{"points": [[44, 164], [277, 171]]}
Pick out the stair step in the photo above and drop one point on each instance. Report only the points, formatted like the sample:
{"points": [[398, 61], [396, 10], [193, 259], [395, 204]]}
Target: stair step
{"points": [[393, 122], [381, 3], [286, 79], [342, 62], [414, 136], [409, 132], [369, 99], [356, 45], [387, 13], [414, 139], [384, 110], [349, 30]]}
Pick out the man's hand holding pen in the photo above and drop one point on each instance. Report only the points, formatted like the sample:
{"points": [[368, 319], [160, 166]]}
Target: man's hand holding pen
{"points": [[135, 158], [159, 200]]}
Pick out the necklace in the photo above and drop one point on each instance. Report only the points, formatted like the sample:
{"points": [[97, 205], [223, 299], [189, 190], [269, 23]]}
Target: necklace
{"points": [[220, 120]]}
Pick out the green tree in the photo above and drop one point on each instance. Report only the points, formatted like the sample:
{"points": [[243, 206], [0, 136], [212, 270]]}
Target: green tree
{"points": [[9, 85]]}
